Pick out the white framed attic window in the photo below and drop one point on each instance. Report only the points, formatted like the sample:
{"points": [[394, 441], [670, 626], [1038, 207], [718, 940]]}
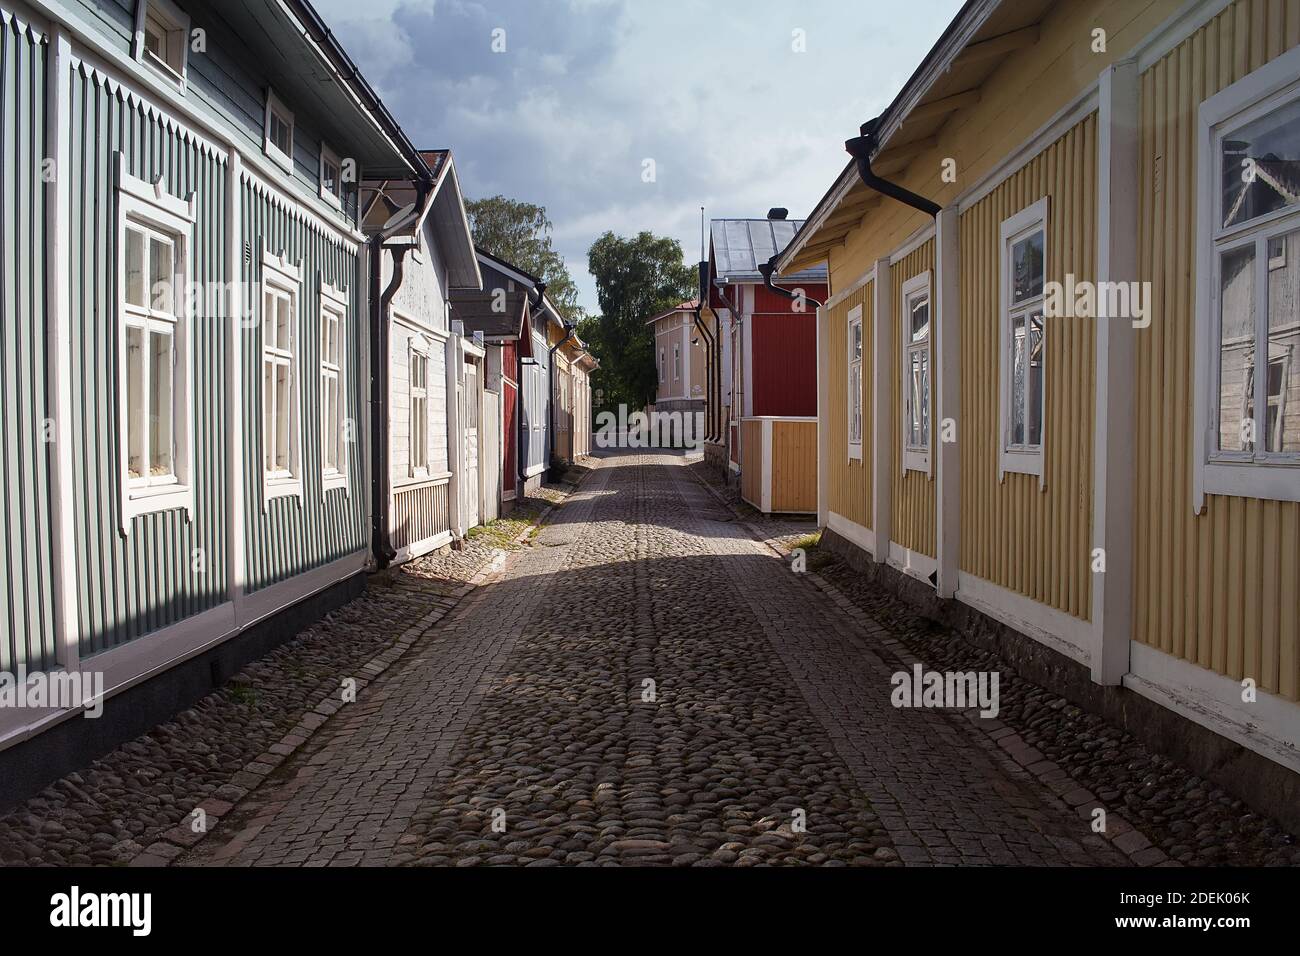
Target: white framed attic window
{"points": [[854, 382], [1022, 351], [155, 401], [661, 366], [281, 358], [333, 403], [162, 32], [331, 184], [277, 141], [1247, 399], [418, 365], [914, 337], [677, 361]]}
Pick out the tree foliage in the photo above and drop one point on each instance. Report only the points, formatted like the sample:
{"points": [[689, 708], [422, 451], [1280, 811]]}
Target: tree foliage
{"points": [[636, 279], [520, 233]]}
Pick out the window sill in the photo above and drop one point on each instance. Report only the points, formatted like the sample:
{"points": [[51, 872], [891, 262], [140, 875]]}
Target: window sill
{"points": [[146, 501], [855, 452], [331, 200], [1021, 463], [281, 488], [165, 70], [334, 481], [918, 461], [279, 158], [1265, 480]]}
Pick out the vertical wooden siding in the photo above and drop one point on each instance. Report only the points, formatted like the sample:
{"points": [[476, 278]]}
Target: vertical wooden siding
{"points": [[292, 535], [1221, 589], [849, 482], [913, 492], [26, 605], [169, 567], [1035, 542], [794, 467]]}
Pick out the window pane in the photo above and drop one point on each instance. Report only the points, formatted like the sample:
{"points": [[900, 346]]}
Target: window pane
{"points": [[855, 403], [161, 276], [268, 414], [1027, 268], [1018, 362], [135, 411], [135, 268], [919, 399], [1034, 393], [282, 424], [1282, 432], [160, 404], [920, 319], [1260, 162], [1236, 348], [268, 321], [856, 332], [283, 317], [330, 426]]}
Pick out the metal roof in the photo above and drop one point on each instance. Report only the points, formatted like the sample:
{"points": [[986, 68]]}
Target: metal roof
{"points": [[740, 246]]}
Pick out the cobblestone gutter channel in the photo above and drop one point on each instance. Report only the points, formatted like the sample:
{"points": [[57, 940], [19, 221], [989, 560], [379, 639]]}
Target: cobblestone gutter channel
{"points": [[1158, 813]]}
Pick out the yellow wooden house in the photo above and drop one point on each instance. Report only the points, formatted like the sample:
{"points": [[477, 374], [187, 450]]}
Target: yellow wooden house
{"points": [[1056, 261]]}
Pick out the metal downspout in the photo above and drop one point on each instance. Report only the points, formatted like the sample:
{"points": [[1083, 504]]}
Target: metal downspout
{"points": [[861, 148]]}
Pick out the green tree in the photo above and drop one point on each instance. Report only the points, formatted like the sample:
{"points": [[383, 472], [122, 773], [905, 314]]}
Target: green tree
{"points": [[520, 233], [636, 279]]}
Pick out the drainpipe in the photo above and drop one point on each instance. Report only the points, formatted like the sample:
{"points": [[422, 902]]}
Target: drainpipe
{"points": [[381, 480], [569, 329], [766, 270], [861, 148], [520, 465], [709, 346]]}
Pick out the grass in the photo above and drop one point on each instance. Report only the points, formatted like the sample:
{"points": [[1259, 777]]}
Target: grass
{"points": [[808, 542]]}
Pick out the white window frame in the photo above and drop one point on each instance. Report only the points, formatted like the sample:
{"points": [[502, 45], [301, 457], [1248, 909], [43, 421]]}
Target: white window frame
{"points": [[274, 103], [1258, 474], [663, 365], [1019, 459], [334, 302], [178, 23], [915, 457], [854, 318], [417, 347], [677, 361], [150, 205], [280, 276], [335, 199]]}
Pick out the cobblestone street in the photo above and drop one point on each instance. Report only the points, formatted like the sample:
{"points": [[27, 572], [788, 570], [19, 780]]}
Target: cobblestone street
{"points": [[647, 684]]}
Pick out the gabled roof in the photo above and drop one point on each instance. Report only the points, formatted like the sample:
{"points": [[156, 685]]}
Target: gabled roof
{"points": [[690, 306], [740, 246], [498, 315]]}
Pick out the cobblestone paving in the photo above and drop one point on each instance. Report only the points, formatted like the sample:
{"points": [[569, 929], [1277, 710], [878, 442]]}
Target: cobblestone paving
{"points": [[647, 685]]}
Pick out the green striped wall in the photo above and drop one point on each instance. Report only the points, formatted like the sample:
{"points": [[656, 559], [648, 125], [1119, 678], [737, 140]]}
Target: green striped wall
{"points": [[131, 584], [292, 535], [26, 598]]}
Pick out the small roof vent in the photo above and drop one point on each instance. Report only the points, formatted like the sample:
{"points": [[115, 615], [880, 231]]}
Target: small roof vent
{"points": [[778, 212]]}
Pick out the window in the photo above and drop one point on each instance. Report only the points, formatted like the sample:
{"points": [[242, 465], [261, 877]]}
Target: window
{"points": [[1022, 360], [661, 366], [915, 340], [333, 326], [278, 136], [281, 446], [331, 185], [855, 382], [419, 363], [1248, 299], [677, 361], [162, 38], [153, 242]]}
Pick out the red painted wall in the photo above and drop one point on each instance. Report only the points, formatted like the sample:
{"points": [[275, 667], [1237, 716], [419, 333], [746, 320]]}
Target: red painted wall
{"points": [[509, 422], [784, 375]]}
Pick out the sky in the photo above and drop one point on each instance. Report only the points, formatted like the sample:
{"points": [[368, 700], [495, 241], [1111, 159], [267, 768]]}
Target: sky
{"points": [[629, 115]]}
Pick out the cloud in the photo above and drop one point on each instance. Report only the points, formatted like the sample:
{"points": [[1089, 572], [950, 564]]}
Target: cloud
{"points": [[587, 90]]}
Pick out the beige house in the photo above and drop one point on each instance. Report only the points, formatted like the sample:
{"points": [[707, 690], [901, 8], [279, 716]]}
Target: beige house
{"points": [[679, 360]]}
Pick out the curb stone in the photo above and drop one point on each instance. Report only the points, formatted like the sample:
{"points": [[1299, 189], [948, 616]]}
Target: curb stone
{"points": [[1003, 740], [181, 838]]}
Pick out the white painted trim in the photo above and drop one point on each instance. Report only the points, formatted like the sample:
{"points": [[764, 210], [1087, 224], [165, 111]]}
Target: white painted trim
{"points": [[271, 600], [1274, 479], [1114, 438], [1270, 726], [854, 447], [1027, 462], [345, 237], [882, 416], [453, 355], [823, 416], [328, 295], [765, 484], [916, 240], [272, 151], [912, 563], [418, 549], [181, 23], [911, 459], [59, 360], [280, 273], [327, 154], [234, 398], [946, 391], [852, 532], [1055, 629], [1183, 23]]}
